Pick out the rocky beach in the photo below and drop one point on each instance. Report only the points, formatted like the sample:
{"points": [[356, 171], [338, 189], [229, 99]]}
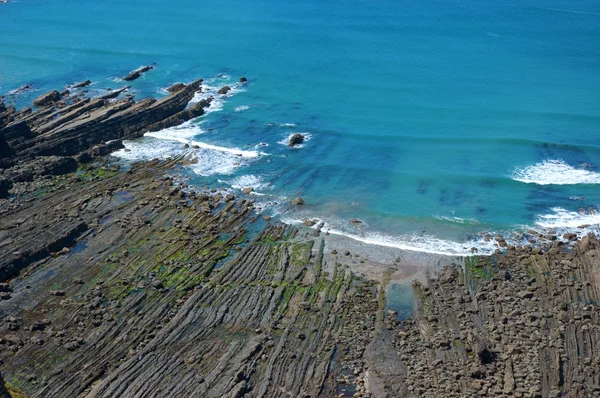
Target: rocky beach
{"points": [[123, 280]]}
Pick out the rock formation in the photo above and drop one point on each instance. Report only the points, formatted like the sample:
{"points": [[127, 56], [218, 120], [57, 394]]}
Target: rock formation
{"points": [[296, 139], [135, 74], [131, 283]]}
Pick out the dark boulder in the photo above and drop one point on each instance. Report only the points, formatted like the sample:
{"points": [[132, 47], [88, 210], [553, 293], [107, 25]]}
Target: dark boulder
{"points": [[224, 90], [296, 139], [243, 79], [298, 201]]}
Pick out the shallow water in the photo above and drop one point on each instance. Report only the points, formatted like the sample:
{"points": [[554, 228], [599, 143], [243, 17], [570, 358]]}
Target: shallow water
{"points": [[431, 121]]}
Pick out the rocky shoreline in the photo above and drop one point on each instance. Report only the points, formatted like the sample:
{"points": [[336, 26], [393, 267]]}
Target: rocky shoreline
{"points": [[127, 282]]}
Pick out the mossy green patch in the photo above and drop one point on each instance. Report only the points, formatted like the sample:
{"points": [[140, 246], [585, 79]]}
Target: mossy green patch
{"points": [[89, 174]]}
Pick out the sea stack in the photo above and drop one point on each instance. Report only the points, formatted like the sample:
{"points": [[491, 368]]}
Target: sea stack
{"points": [[296, 139]]}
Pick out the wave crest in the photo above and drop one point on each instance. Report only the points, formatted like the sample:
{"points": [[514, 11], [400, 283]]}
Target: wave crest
{"points": [[554, 172]]}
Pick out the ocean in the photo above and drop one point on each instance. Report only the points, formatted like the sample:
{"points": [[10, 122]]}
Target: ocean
{"points": [[437, 124]]}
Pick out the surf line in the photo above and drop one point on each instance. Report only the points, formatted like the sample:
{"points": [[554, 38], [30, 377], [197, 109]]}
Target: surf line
{"points": [[198, 144]]}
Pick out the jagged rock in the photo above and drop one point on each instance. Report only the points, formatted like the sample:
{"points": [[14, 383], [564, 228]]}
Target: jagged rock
{"points": [[176, 87], [296, 139], [82, 84], [135, 74], [224, 90], [47, 99]]}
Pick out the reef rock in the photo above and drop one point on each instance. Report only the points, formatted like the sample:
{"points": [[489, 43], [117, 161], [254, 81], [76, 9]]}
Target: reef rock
{"points": [[138, 72], [224, 90], [296, 139], [47, 99]]}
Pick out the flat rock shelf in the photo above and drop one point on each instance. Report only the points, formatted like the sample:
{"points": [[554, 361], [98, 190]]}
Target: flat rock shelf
{"points": [[128, 282]]}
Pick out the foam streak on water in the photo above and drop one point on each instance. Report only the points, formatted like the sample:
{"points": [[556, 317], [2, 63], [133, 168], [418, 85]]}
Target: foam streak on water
{"points": [[555, 172], [423, 243], [561, 219]]}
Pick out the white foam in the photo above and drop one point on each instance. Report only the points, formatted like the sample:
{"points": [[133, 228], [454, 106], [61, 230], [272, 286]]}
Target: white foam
{"points": [[217, 162], [457, 220], [561, 220], [241, 108], [148, 149], [424, 244], [234, 151], [246, 181], [210, 88], [182, 133], [555, 172], [286, 140]]}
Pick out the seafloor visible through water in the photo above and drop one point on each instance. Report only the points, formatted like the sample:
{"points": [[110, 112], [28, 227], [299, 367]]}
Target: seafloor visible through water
{"points": [[434, 123]]}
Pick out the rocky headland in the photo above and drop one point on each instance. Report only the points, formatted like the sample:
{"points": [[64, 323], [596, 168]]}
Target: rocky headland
{"points": [[125, 281]]}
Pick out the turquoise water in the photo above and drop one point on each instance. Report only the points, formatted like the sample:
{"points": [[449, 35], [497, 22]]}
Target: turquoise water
{"points": [[430, 121]]}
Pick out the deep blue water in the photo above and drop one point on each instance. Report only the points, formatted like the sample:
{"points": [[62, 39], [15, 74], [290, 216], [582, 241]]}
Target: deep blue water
{"points": [[430, 121]]}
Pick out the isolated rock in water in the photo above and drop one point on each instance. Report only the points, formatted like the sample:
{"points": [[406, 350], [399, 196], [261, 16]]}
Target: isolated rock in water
{"points": [[298, 201], [82, 84], [243, 79], [176, 87], [355, 221], [296, 139], [309, 223], [138, 72], [247, 190], [21, 89], [224, 90], [47, 98]]}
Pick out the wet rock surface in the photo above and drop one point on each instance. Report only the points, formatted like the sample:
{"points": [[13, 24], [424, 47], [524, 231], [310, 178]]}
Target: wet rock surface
{"points": [[135, 74], [151, 296], [296, 139], [127, 282], [523, 324]]}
